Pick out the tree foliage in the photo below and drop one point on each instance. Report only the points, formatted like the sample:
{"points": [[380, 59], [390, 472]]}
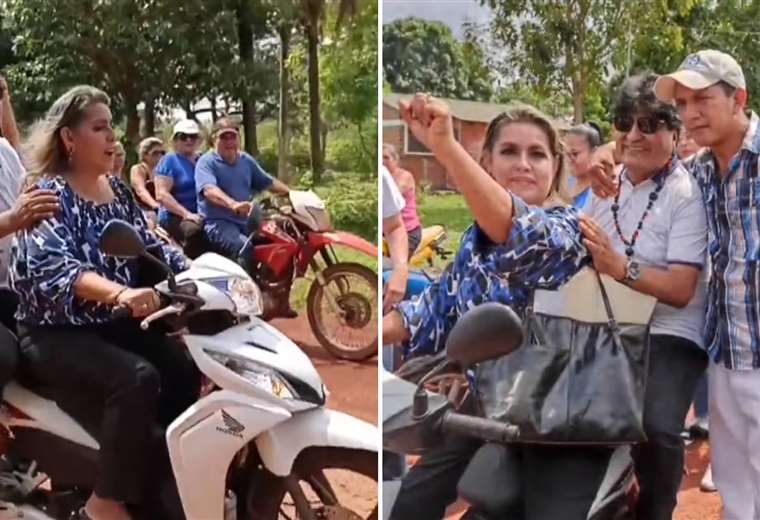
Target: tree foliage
{"points": [[423, 56]]}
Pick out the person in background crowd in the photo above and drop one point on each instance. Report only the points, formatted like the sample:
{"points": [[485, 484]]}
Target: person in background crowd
{"points": [[142, 175], [226, 179], [580, 143], [175, 189], [398, 242], [119, 160], [8, 125], [407, 185], [686, 146]]}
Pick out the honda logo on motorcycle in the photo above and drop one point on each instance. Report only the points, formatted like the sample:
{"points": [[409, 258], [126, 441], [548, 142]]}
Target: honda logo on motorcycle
{"points": [[231, 426]]}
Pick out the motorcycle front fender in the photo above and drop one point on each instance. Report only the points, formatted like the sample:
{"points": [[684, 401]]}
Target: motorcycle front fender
{"points": [[279, 446], [342, 238]]}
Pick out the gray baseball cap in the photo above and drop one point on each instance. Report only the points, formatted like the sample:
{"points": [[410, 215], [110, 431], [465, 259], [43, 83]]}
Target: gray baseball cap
{"points": [[701, 70]]}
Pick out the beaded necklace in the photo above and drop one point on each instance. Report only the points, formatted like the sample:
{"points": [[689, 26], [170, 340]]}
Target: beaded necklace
{"points": [[660, 180]]}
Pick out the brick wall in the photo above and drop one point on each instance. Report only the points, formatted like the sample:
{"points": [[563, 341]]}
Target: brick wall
{"points": [[425, 168]]}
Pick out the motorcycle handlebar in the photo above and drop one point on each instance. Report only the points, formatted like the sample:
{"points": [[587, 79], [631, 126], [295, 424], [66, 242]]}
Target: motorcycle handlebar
{"points": [[478, 427]]}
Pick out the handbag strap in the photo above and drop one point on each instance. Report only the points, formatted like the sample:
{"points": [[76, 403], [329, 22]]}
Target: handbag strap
{"points": [[606, 300], [611, 321]]}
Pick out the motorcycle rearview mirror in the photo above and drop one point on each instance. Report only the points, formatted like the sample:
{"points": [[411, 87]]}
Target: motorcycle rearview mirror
{"points": [[488, 331], [121, 239]]}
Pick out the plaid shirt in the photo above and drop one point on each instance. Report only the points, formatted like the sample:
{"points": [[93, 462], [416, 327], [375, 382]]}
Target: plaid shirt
{"points": [[732, 326], [543, 251]]}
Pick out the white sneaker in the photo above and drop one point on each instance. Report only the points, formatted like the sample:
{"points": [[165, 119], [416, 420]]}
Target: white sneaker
{"points": [[707, 485]]}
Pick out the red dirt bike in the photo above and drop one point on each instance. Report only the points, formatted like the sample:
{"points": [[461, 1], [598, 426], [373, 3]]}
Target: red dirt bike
{"points": [[289, 235]]}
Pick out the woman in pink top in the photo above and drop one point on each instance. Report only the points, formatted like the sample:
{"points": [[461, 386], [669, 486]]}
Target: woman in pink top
{"points": [[407, 186]]}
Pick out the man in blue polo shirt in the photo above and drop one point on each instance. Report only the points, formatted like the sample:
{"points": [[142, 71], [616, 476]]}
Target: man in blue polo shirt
{"points": [[226, 179]]}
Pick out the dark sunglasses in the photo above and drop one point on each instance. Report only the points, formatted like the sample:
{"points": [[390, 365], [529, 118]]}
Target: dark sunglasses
{"points": [[646, 124], [158, 152], [187, 137]]}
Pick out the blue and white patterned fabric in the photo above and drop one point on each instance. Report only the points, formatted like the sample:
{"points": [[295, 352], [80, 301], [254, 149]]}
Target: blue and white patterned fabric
{"points": [[543, 251], [732, 328], [48, 259]]}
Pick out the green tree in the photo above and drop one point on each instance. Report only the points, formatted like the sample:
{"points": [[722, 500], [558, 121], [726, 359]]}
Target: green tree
{"points": [[560, 46], [349, 80], [312, 17], [423, 56]]}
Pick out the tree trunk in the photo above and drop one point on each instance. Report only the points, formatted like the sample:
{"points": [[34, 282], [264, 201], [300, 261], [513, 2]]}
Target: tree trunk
{"points": [[150, 118], [214, 113], [314, 118], [283, 141], [245, 43], [132, 135]]}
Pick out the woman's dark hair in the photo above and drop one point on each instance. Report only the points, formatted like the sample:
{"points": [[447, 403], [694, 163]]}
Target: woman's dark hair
{"points": [[637, 95], [590, 131]]}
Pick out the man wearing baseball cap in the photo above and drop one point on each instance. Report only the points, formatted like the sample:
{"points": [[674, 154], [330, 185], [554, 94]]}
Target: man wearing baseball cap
{"points": [[710, 94], [226, 179], [175, 189]]}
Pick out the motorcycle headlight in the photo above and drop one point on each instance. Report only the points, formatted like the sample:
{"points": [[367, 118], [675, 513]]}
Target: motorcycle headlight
{"points": [[259, 375], [246, 296]]}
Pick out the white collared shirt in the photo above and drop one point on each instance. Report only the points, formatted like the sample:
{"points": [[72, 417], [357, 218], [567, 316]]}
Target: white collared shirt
{"points": [[674, 232]]}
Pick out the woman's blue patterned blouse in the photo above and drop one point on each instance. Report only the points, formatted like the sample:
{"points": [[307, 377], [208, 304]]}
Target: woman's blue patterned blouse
{"points": [[47, 259], [543, 251]]}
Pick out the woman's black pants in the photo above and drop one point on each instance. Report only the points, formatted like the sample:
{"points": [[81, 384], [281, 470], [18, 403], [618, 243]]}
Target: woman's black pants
{"points": [[118, 382]]}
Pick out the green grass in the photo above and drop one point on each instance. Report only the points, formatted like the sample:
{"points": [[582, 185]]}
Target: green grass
{"points": [[450, 210]]}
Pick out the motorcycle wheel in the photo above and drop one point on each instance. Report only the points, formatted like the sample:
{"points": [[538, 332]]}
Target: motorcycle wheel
{"points": [[351, 332], [322, 481]]}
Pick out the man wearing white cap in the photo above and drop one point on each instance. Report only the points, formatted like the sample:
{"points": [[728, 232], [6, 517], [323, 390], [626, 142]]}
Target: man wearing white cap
{"points": [[710, 94], [175, 189]]}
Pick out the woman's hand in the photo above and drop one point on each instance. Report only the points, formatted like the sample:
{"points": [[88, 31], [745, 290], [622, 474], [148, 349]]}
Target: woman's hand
{"points": [[140, 302], [429, 120], [606, 259]]}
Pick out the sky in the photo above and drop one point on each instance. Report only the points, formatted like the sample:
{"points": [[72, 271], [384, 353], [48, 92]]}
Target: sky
{"points": [[451, 12]]}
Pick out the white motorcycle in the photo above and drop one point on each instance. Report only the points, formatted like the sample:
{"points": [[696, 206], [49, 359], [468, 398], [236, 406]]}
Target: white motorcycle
{"points": [[259, 442]]}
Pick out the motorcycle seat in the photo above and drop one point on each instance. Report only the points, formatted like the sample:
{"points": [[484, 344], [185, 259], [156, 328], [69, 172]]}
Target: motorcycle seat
{"points": [[430, 234]]}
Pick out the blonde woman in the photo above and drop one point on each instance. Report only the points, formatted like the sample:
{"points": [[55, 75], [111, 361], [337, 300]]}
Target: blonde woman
{"points": [[103, 371], [141, 175]]}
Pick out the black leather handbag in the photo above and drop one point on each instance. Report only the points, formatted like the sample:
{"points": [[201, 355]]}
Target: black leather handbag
{"points": [[580, 375]]}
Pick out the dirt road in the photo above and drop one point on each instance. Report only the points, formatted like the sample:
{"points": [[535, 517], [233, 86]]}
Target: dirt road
{"points": [[353, 390]]}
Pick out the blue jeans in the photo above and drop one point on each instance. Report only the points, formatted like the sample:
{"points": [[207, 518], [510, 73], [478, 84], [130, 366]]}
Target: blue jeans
{"points": [[700, 398], [226, 238]]}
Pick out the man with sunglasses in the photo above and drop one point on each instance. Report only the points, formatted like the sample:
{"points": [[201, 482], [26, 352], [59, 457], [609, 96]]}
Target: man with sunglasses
{"points": [[226, 179], [652, 234], [175, 189], [710, 93]]}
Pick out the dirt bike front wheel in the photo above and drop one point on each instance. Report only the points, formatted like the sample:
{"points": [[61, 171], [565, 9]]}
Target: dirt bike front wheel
{"points": [[342, 310]]}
